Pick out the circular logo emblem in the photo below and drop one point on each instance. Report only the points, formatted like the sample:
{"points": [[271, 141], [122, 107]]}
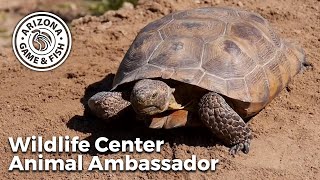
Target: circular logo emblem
{"points": [[41, 41]]}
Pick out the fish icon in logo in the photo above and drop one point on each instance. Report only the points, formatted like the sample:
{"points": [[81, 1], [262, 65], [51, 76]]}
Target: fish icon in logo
{"points": [[41, 40]]}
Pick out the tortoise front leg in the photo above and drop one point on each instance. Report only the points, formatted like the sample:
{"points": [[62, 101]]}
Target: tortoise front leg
{"points": [[224, 122], [108, 105]]}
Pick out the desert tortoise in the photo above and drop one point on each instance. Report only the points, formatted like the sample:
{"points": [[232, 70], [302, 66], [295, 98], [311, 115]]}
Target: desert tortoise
{"points": [[223, 63]]}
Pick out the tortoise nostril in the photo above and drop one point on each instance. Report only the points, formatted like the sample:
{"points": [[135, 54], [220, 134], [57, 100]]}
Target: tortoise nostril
{"points": [[154, 95]]}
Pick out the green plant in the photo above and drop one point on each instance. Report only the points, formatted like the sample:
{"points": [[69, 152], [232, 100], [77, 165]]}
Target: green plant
{"points": [[98, 7]]}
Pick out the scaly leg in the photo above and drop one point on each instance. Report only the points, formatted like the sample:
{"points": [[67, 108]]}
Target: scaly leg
{"points": [[107, 105], [224, 122]]}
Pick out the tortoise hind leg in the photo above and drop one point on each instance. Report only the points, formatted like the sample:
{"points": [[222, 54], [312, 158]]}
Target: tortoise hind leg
{"points": [[224, 122]]}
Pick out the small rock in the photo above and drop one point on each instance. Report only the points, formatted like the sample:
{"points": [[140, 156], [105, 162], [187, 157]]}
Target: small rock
{"points": [[105, 26], [155, 7], [240, 4], [127, 5], [109, 13], [296, 31], [217, 1], [122, 13], [81, 28], [84, 20]]}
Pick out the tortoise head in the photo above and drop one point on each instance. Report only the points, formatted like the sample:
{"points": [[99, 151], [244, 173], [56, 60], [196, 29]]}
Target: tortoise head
{"points": [[150, 97]]}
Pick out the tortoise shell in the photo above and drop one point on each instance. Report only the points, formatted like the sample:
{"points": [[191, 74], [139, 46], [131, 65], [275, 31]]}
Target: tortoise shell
{"points": [[232, 52]]}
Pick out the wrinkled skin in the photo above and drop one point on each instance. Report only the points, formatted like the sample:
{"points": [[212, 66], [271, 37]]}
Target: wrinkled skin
{"points": [[150, 98]]}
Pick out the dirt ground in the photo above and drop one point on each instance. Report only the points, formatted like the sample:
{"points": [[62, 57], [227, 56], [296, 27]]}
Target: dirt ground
{"points": [[286, 133]]}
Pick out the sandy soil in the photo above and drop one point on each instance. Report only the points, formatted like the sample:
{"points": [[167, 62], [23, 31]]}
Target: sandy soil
{"points": [[286, 133]]}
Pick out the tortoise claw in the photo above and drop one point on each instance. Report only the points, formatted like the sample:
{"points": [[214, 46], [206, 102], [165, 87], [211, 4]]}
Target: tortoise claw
{"points": [[243, 146]]}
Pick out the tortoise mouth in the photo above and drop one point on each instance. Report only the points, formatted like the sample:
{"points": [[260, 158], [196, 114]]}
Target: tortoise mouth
{"points": [[151, 110]]}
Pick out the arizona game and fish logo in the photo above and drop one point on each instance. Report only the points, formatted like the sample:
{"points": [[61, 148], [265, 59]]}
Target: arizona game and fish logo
{"points": [[41, 41]]}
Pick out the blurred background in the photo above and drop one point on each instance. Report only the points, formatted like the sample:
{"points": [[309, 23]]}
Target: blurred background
{"points": [[12, 11]]}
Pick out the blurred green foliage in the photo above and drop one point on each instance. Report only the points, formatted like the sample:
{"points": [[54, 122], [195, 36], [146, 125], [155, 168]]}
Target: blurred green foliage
{"points": [[98, 7]]}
